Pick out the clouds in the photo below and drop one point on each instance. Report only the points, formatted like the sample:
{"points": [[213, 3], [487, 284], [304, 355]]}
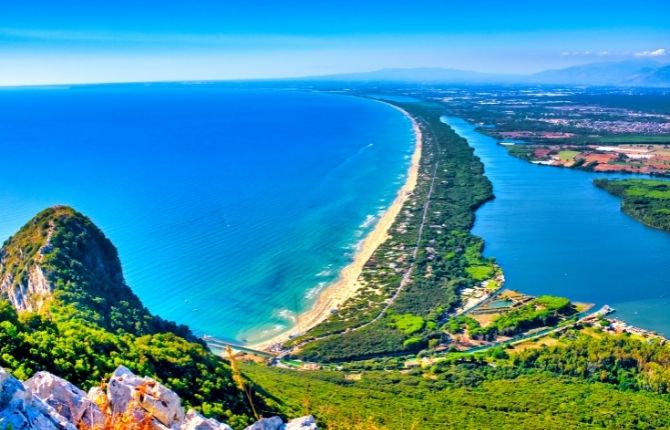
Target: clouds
{"points": [[661, 52], [587, 53]]}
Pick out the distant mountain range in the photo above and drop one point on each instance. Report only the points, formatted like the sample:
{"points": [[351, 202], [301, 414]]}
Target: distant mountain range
{"points": [[645, 73]]}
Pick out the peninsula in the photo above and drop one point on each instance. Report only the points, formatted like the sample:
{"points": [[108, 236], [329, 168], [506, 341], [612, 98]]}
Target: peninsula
{"points": [[646, 200]]}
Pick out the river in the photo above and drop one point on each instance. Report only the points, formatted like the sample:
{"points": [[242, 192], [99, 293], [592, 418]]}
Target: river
{"points": [[554, 232]]}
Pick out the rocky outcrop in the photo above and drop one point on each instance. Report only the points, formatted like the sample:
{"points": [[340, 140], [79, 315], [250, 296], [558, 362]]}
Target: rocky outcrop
{"points": [[67, 400], [275, 423], [47, 402], [302, 423], [29, 294], [195, 421], [20, 409], [143, 398], [272, 423]]}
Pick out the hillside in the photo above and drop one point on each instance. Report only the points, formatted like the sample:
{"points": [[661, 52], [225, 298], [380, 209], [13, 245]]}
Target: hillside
{"points": [[392, 400], [58, 340], [62, 264], [66, 309]]}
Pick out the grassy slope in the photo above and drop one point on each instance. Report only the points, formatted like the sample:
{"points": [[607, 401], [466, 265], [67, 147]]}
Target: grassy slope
{"points": [[382, 400]]}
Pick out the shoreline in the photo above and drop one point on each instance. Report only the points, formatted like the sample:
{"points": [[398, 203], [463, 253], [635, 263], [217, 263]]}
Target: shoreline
{"points": [[346, 285]]}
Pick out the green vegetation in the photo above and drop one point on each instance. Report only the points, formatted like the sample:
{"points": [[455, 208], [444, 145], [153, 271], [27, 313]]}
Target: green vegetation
{"points": [[460, 323], [408, 323], [480, 273], [541, 312], [468, 395], [92, 323], [625, 361], [451, 187], [568, 155], [646, 200], [525, 152]]}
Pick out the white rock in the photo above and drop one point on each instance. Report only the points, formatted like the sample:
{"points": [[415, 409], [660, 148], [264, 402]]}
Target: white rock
{"points": [[97, 395], [273, 423], [127, 391], [20, 410], [303, 423], [195, 421], [66, 399]]}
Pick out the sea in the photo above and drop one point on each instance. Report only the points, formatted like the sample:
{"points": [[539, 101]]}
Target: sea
{"points": [[231, 207], [554, 232]]}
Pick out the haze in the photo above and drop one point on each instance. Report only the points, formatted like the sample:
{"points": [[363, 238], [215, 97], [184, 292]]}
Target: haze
{"points": [[45, 42]]}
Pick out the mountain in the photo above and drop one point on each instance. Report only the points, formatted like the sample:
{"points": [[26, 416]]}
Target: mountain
{"points": [[425, 74], [644, 73], [66, 309], [61, 263], [658, 77], [633, 72]]}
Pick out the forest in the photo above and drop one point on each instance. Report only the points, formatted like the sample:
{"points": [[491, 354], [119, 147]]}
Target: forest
{"points": [[646, 200]]}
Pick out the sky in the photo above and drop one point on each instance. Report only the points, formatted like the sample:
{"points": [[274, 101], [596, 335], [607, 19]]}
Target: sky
{"points": [[77, 41]]}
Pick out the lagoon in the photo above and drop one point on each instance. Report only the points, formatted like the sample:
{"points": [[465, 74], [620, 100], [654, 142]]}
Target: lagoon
{"points": [[554, 232]]}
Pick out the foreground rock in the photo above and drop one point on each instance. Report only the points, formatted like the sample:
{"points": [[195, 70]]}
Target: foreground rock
{"points": [[21, 410], [302, 423], [47, 402]]}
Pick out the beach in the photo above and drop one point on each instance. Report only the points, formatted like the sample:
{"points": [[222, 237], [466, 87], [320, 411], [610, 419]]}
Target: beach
{"points": [[347, 283]]}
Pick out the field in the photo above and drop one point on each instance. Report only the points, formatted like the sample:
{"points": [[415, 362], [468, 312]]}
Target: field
{"points": [[568, 155]]}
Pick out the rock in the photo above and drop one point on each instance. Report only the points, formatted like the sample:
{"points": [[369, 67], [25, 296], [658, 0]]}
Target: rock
{"points": [[98, 396], [47, 402], [20, 410], [195, 421], [273, 423], [69, 401], [303, 423], [128, 393]]}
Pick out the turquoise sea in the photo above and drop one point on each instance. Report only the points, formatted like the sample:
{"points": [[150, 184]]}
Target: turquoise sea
{"points": [[231, 208], [554, 232]]}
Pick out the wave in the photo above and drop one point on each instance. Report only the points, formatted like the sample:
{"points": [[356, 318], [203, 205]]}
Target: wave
{"points": [[368, 222], [314, 291], [328, 271], [287, 315]]}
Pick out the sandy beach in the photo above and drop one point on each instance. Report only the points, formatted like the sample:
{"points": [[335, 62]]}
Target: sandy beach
{"points": [[347, 284]]}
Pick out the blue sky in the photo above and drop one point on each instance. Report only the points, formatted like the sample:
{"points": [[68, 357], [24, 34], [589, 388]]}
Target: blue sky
{"points": [[93, 41]]}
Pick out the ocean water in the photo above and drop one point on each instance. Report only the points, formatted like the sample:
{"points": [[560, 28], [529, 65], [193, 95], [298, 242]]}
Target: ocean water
{"points": [[554, 232], [231, 208]]}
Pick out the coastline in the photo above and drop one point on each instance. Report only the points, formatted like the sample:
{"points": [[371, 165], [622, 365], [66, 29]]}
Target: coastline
{"points": [[347, 283]]}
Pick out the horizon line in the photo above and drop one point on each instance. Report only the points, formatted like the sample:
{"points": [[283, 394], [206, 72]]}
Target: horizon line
{"points": [[332, 77]]}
